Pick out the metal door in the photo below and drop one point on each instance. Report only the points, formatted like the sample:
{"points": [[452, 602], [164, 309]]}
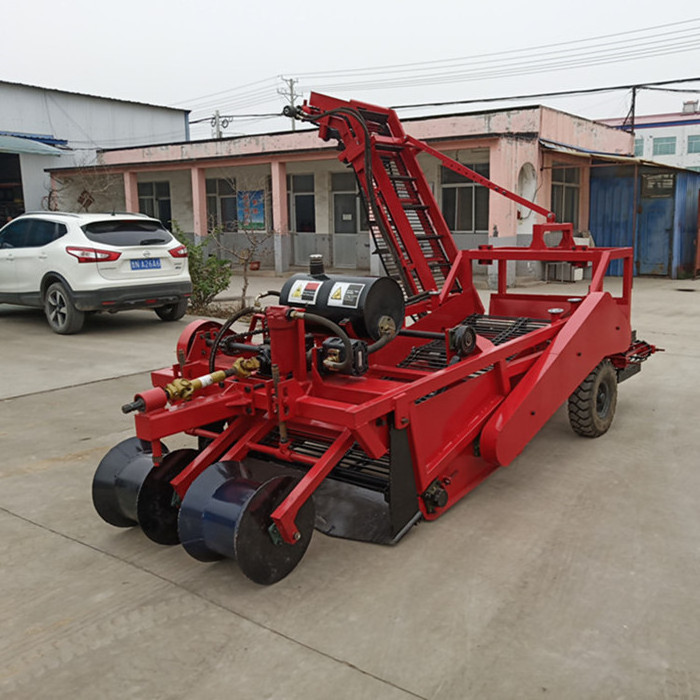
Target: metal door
{"points": [[612, 219], [344, 230], [654, 236]]}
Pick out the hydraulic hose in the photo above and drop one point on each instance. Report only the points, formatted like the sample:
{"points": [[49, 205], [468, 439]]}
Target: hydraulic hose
{"points": [[228, 323], [371, 196], [379, 344]]}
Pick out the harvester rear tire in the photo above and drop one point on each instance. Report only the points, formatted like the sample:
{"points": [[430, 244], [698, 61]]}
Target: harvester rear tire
{"points": [[592, 405]]}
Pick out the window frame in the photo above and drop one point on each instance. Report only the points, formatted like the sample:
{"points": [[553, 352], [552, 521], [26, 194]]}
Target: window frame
{"points": [[693, 139], [460, 188], [152, 203], [566, 210], [298, 193], [222, 197], [660, 145]]}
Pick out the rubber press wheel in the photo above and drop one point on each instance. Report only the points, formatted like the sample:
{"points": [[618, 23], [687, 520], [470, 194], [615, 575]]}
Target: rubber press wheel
{"points": [[592, 405], [156, 507], [259, 558]]}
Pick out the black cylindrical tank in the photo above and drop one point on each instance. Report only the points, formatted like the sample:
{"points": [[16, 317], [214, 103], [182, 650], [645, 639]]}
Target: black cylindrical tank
{"points": [[362, 300]]}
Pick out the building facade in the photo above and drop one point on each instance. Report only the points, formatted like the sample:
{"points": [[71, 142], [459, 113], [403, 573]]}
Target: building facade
{"points": [[290, 191], [42, 128], [672, 139]]}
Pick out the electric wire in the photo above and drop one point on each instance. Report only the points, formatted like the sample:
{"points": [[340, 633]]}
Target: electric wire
{"points": [[489, 57], [636, 44], [532, 68]]}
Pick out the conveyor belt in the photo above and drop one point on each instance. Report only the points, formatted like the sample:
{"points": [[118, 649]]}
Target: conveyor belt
{"points": [[498, 329]]}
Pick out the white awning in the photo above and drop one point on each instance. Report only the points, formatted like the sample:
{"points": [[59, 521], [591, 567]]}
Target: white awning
{"points": [[576, 151], [15, 144]]}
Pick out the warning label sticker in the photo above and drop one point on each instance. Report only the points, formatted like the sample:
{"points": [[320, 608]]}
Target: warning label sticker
{"points": [[346, 294], [304, 292]]}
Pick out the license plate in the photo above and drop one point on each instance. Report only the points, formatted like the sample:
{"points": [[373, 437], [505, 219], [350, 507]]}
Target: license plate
{"points": [[146, 264]]}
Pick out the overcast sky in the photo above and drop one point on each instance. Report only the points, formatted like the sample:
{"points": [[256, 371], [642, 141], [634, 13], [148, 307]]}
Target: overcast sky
{"points": [[229, 55]]}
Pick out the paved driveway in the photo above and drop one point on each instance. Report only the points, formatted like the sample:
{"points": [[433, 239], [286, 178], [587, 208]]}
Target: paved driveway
{"points": [[571, 574]]}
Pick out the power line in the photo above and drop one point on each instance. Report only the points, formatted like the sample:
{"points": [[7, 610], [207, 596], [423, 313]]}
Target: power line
{"points": [[521, 68], [236, 116], [228, 91], [655, 41], [559, 93], [538, 50], [656, 85]]}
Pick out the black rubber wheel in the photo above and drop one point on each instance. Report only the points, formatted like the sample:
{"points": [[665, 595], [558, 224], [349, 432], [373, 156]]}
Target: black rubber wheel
{"points": [[172, 312], [118, 479], [259, 558], [156, 506], [592, 405], [62, 316]]}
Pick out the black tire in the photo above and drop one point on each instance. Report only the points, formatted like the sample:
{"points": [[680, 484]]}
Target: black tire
{"points": [[172, 312], [592, 405], [60, 312]]}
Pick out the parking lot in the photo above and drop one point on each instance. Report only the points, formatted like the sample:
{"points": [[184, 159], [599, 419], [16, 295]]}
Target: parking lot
{"points": [[571, 574]]}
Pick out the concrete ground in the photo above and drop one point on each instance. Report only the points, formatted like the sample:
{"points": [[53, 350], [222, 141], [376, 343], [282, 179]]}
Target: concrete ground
{"points": [[571, 574]]}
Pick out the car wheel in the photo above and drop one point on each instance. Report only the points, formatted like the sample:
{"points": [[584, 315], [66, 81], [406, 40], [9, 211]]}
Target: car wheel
{"points": [[172, 312], [62, 316]]}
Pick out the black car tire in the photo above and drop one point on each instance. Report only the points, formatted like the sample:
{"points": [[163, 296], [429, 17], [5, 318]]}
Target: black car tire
{"points": [[172, 312], [61, 314], [592, 405]]}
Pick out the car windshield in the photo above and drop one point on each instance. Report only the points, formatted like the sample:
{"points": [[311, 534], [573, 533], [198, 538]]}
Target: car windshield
{"points": [[127, 233]]}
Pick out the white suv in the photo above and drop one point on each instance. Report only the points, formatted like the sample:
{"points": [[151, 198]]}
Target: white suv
{"points": [[72, 263]]}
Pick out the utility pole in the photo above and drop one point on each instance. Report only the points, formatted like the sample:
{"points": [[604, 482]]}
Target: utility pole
{"points": [[216, 124], [290, 94], [219, 123], [628, 124], [633, 107]]}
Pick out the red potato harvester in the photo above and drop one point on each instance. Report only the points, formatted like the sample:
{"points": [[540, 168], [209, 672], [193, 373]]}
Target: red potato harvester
{"points": [[361, 405]]}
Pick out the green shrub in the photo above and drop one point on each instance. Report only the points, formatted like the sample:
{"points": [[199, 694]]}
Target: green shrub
{"points": [[210, 274]]}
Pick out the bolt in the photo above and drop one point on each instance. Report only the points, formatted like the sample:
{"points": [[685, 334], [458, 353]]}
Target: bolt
{"points": [[297, 536]]}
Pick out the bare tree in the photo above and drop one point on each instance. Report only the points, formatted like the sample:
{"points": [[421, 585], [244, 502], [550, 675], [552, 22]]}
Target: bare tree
{"points": [[251, 230], [83, 187]]}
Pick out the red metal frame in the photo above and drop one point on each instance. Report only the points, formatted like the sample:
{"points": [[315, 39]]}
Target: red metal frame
{"points": [[463, 419]]}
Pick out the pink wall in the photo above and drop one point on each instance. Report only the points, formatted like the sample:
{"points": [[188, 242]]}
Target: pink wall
{"points": [[266, 145], [582, 133]]}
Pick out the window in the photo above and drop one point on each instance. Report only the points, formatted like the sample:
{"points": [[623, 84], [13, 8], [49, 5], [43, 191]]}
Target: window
{"points": [[44, 232], [154, 200], [694, 144], [664, 146], [222, 204], [302, 203], [465, 205], [126, 233], [566, 184], [31, 233], [16, 234], [638, 148]]}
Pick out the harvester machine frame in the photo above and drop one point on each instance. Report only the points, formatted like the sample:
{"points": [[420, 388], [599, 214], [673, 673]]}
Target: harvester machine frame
{"points": [[361, 405]]}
